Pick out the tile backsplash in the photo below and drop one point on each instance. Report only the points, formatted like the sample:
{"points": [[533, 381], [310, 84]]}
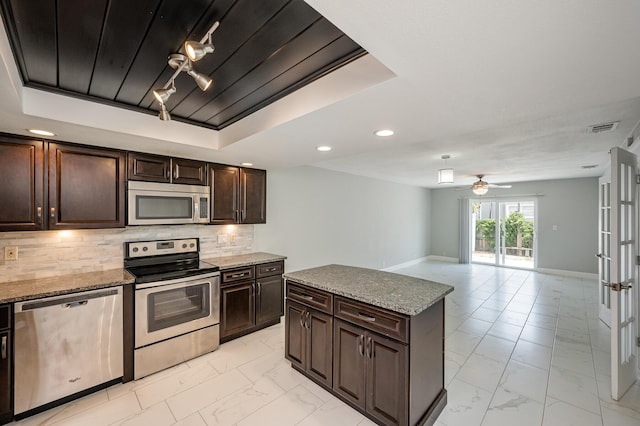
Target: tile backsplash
{"points": [[54, 253]]}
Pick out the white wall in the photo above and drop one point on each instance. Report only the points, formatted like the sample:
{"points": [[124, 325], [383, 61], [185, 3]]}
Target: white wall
{"points": [[571, 204], [316, 217]]}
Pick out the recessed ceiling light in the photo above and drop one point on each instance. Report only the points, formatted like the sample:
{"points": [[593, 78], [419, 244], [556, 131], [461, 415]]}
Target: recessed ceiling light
{"points": [[41, 132], [384, 132], [323, 148], [247, 164]]}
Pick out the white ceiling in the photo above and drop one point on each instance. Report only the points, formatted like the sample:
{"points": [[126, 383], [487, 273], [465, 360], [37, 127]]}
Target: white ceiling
{"points": [[506, 88]]}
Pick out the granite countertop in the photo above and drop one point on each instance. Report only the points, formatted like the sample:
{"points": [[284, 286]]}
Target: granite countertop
{"points": [[399, 293], [237, 261], [17, 291]]}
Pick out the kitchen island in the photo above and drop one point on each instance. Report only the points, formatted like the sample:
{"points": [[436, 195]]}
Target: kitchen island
{"points": [[374, 339]]}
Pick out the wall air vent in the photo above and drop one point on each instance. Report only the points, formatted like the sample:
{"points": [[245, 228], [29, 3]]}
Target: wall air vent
{"points": [[604, 127]]}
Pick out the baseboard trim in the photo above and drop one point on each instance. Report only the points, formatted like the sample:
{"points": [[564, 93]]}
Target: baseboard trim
{"points": [[563, 273], [443, 258], [405, 264]]}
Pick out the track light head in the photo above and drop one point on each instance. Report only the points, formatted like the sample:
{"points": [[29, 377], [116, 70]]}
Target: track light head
{"points": [[196, 50], [203, 81], [164, 114], [163, 95]]}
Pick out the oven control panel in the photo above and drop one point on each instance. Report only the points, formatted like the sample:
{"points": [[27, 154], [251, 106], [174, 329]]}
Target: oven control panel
{"points": [[156, 248]]}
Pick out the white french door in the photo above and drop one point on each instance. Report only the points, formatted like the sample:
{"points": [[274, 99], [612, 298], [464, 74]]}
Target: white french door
{"points": [[622, 273], [604, 250]]}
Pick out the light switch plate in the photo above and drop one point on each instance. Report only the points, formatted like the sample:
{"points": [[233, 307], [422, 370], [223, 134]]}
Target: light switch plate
{"points": [[11, 253]]}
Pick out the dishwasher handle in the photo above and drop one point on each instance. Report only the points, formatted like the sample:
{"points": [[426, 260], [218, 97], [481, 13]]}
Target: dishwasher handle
{"points": [[4, 347], [67, 302]]}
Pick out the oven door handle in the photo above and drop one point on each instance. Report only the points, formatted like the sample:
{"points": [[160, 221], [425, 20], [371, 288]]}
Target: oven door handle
{"points": [[182, 281]]}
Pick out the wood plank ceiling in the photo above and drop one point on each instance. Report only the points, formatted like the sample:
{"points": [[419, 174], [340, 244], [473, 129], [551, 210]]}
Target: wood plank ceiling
{"points": [[115, 52]]}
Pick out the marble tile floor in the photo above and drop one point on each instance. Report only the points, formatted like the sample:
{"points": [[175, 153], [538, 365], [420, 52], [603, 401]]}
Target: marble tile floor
{"points": [[522, 348]]}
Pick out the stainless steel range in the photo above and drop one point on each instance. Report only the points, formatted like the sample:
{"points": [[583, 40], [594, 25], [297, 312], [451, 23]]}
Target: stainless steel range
{"points": [[177, 303]]}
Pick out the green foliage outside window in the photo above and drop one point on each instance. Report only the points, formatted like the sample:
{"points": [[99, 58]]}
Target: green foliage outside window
{"points": [[515, 224]]}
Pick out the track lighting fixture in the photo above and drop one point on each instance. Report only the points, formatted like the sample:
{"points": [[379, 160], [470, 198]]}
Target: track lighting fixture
{"points": [[164, 114], [197, 50], [179, 62], [162, 95]]}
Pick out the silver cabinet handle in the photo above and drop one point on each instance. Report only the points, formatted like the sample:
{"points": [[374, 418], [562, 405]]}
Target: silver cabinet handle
{"points": [[259, 288], [361, 345], [74, 304], [4, 347], [39, 215], [366, 317], [238, 275], [369, 347], [302, 314]]}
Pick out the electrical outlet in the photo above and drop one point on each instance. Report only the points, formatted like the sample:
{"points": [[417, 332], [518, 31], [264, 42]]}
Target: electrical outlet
{"points": [[223, 239], [232, 238], [11, 253]]}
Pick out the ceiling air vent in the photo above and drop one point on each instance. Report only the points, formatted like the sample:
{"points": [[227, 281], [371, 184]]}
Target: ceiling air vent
{"points": [[604, 127]]}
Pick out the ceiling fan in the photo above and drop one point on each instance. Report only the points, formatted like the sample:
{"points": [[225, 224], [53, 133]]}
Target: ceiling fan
{"points": [[481, 187]]}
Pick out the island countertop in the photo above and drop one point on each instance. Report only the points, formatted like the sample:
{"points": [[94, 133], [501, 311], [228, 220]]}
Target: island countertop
{"points": [[399, 293]]}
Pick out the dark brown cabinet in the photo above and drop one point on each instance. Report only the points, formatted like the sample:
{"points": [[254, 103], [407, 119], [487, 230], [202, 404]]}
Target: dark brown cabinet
{"points": [[60, 186], [6, 410], [387, 365], [22, 190], [370, 371], [158, 168], [237, 312], [86, 187], [238, 195], [308, 344], [251, 298]]}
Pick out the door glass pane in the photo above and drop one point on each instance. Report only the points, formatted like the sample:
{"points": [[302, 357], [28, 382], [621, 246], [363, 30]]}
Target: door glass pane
{"points": [[511, 244], [150, 207], [173, 307]]}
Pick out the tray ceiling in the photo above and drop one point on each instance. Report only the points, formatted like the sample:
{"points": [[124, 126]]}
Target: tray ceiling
{"points": [[115, 52]]}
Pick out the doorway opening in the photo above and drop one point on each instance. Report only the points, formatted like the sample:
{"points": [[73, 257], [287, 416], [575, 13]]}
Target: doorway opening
{"points": [[502, 233]]}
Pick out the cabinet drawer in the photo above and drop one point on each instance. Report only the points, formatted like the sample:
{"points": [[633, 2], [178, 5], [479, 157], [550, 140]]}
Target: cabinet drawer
{"points": [[268, 269], [5, 316], [318, 299], [238, 274], [380, 320]]}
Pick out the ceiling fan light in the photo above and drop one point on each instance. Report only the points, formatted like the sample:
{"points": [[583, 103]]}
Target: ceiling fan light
{"points": [[196, 50], [164, 114], [480, 188], [445, 176], [203, 81]]}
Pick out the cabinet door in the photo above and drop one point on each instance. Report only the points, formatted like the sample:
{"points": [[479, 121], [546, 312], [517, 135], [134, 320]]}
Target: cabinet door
{"points": [[224, 181], [269, 299], [320, 346], [86, 187], [237, 311], [21, 191], [148, 168], [295, 334], [5, 377], [387, 392], [349, 362], [253, 196], [189, 172]]}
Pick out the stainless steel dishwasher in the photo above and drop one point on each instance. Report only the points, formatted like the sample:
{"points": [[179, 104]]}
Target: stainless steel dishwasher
{"points": [[65, 345]]}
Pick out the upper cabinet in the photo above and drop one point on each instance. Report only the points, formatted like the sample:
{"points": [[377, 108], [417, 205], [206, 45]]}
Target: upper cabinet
{"points": [[157, 168], [85, 186], [22, 188], [238, 195]]}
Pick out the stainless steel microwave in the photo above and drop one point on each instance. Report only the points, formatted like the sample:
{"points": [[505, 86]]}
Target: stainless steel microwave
{"points": [[152, 203]]}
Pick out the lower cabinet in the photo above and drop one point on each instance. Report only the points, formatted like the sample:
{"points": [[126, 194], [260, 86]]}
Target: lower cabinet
{"points": [[6, 410], [370, 371], [309, 342], [251, 298], [387, 365]]}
